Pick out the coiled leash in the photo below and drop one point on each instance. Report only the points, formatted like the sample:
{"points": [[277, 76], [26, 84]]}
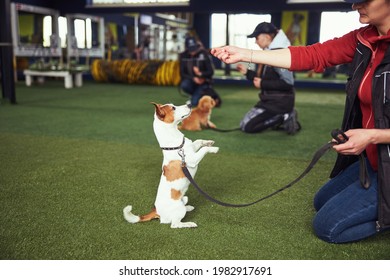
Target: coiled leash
{"points": [[338, 136]]}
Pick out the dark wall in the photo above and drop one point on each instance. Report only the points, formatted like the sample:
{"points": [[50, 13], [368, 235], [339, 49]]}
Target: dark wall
{"points": [[202, 25], [313, 29]]}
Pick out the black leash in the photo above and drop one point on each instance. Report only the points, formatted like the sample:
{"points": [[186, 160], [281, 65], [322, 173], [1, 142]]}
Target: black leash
{"points": [[224, 130], [339, 137]]}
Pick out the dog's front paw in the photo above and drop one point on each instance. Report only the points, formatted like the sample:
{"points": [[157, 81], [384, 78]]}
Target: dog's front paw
{"points": [[213, 150], [189, 208], [207, 143], [211, 125]]}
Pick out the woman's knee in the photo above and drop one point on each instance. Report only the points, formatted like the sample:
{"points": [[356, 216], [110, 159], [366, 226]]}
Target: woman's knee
{"points": [[322, 229], [333, 228]]}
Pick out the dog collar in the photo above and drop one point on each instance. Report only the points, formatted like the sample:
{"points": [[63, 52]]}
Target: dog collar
{"points": [[174, 148]]}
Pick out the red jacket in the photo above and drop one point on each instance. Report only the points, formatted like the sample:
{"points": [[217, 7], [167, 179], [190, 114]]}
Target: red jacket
{"points": [[340, 51]]}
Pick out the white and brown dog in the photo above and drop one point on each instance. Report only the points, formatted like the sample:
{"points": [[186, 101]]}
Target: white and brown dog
{"points": [[200, 116], [171, 202]]}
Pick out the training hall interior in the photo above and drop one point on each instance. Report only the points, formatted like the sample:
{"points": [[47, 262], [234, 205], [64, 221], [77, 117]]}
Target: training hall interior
{"points": [[78, 35], [77, 143]]}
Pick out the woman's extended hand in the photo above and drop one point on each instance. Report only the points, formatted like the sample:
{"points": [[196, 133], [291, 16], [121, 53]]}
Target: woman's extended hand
{"points": [[229, 54]]}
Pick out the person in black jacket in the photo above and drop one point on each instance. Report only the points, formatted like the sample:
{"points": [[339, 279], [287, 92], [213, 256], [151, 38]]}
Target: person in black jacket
{"points": [[196, 71], [275, 108]]}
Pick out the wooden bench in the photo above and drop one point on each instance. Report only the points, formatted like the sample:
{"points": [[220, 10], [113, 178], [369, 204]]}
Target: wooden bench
{"points": [[68, 77]]}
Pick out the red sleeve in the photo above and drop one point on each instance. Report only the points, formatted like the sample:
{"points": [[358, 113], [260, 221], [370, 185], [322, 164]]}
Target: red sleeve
{"points": [[319, 56]]}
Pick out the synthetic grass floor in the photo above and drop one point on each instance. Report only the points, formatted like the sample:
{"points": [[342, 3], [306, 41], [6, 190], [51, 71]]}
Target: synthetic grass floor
{"points": [[72, 159]]}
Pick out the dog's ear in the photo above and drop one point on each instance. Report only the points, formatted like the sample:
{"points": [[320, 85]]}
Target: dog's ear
{"points": [[159, 112], [202, 105]]}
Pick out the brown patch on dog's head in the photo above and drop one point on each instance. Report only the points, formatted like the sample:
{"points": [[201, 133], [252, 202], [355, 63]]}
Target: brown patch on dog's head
{"points": [[206, 103], [164, 113]]}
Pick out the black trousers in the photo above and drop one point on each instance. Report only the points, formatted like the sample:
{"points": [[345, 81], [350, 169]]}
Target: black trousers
{"points": [[258, 119]]}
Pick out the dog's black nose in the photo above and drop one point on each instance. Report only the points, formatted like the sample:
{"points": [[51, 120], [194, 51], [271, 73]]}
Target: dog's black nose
{"points": [[189, 104]]}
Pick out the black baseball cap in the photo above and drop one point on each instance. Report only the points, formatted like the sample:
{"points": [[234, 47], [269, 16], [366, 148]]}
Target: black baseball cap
{"points": [[191, 44], [264, 27]]}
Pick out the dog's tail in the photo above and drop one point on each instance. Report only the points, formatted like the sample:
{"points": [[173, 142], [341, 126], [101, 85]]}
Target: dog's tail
{"points": [[131, 218]]}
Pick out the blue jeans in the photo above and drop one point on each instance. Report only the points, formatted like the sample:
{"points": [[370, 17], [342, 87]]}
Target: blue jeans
{"points": [[346, 211], [193, 89]]}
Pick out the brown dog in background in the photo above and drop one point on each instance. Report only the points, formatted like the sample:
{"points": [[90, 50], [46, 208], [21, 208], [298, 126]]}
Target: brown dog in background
{"points": [[200, 116]]}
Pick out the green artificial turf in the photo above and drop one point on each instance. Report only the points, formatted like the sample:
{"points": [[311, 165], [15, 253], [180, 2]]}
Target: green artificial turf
{"points": [[71, 160]]}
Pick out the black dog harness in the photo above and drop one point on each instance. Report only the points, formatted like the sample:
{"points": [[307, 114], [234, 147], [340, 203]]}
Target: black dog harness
{"points": [[338, 136]]}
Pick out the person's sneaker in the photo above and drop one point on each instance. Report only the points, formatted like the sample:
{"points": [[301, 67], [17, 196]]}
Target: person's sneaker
{"points": [[291, 124]]}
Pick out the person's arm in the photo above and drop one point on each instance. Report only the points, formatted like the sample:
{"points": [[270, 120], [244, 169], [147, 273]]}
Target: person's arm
{"points": [[248, 73], [241, 68], [359, 139], [230, 54], [318, 56]]}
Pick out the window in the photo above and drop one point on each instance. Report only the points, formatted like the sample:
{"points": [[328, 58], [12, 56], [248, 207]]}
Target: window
{"points": [[240, 25], [62, 30], [83, 32], [47, 30], [336, 24]]}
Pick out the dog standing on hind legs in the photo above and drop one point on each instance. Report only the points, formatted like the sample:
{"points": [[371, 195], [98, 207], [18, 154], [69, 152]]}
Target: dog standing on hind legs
{"points": [[171, 202]]}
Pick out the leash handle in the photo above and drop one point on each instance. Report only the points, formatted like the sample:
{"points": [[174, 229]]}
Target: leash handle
{"points": [[364, 177], [339, 136]]}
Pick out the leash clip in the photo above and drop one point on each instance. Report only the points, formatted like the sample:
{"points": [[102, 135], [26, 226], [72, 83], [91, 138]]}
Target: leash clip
{"points": [[183, 157], [339, 136]]}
